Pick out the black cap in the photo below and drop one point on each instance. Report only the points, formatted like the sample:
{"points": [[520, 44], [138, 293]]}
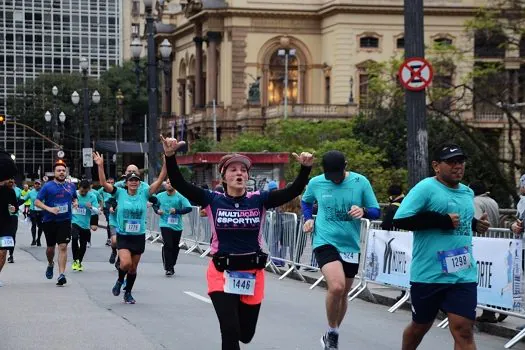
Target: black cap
{"points": [[334, 164], [447, 151], [132, 176]]}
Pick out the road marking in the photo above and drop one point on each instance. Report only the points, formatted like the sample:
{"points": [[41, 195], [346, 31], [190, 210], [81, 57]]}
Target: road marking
{"points": [[197, 296]]}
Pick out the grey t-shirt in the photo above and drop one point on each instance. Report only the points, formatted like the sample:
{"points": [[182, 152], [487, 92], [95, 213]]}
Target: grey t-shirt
{"points": [[484, 204]]}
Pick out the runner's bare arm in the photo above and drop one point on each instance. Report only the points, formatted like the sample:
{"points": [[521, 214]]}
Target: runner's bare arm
{"points": [[97, 158]]}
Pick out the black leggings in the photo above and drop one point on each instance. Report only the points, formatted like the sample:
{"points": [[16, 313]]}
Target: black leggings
{"points": [[170, 250], [237, 320], [82, 236], [13, 228], [36, 222]]}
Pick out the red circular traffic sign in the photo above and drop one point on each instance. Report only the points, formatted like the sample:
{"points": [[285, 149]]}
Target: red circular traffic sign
{"points": [[415, 74]]}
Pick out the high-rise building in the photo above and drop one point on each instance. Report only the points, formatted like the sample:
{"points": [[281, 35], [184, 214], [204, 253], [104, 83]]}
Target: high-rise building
{"points": [[44, 36]]}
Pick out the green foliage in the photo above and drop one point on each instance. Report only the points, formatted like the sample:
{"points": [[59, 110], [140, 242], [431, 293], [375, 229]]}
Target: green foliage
{"points": [[202, 145], [299, 136]]}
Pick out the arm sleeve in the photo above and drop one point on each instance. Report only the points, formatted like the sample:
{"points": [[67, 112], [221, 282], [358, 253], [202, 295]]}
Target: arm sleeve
{"points": [[388, 218], [193, 193], [184, 210], [372, 213], [424, 221], [279, 197], [308, 209], [474, 224]]}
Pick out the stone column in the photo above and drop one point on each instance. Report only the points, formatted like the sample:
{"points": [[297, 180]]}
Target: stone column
{"points": [[301, 89], [199, 103], [213, 39], [182, 96]]}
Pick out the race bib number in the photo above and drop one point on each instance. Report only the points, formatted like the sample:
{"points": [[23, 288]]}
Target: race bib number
{"points": [[133, 226], [173, 220], [240, 283], [352, 258], [7, 242], [454, 260], [79, 211], [63, 208]]}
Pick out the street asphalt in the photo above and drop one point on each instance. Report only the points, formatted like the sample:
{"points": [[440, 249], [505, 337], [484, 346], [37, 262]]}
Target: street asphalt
{"points": [[175, 313]]}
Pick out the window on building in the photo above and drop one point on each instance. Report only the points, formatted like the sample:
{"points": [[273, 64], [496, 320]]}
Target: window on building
{"points": [[444, 42], [327, 90], [369, 42], [400, 43], [363, 89], [442, 84], [489, 44], [276, 84]]}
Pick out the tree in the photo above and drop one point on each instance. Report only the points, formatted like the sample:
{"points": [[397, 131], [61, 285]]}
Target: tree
{"points": [[300, 135], [485, 86], [34, 98]]}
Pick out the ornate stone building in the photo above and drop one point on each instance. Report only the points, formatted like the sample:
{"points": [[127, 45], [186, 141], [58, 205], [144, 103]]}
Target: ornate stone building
{"points": [[236, 55]]}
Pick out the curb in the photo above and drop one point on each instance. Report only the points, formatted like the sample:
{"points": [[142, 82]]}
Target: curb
{"points": [[376, 298]]}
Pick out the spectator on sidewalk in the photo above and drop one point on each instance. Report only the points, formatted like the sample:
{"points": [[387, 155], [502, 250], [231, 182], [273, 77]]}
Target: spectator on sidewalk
{"points": [[483, 203], [396, 195]]}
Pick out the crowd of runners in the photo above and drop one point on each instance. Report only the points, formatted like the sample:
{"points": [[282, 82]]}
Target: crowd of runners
{"points": [[439, 210]]}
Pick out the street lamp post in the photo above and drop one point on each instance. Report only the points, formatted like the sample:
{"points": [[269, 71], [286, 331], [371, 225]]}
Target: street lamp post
{"points": [[285, 52], [136, 48], [75, 99], [351, 97], [84, 65], [54, 117], [119, 119], [165, 52]]}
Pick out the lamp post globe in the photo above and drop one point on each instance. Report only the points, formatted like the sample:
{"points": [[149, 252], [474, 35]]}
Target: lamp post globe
{"points": [[47, 116]]}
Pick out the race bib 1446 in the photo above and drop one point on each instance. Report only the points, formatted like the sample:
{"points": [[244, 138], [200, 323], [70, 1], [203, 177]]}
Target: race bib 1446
{"points": [[240, 283]]}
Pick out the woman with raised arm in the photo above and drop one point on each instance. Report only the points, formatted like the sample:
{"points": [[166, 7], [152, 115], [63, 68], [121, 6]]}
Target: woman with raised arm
{"points": [[235, 274], [132, 204]]}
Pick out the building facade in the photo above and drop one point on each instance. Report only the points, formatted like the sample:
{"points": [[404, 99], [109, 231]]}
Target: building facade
{"points": [[50, 37]]}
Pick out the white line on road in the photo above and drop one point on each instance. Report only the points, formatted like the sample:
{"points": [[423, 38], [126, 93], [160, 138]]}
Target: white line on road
{"points": [[197, 296]]}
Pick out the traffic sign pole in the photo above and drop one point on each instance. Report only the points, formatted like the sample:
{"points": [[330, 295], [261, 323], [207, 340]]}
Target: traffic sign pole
{"points": [[417, 145]]}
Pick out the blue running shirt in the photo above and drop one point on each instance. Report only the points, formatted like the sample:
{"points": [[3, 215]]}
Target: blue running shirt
{"points": [[431, 195], [58, 195], [333, 225]]}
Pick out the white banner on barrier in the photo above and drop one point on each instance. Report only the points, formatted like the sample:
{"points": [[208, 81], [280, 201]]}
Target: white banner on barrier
{"points": [[389, 256], [388, 259], [499, 271]]}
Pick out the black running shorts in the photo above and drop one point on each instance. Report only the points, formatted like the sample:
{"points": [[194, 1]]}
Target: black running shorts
{"points": [[136, 244], [57, 232], [328, 253], [428, 298]]}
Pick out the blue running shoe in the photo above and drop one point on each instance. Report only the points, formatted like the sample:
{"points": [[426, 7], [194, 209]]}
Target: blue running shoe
{"points": [[49, 271], [116, 288], [61, 280], [128, 298]]}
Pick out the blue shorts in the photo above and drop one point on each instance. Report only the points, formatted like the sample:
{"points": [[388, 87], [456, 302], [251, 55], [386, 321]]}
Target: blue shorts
{"points": [[428, 298]]}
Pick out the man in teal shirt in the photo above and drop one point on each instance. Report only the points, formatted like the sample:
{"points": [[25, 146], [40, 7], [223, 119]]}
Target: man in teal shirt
{"points": [[343, 199], [172, 205], [35, 213], [86, 206], [440, 212]]}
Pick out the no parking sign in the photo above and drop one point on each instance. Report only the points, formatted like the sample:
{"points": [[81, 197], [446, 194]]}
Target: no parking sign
{"points": [[415, 74]]}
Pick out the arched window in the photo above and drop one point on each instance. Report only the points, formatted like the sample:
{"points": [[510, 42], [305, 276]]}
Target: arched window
{"points": [[276, 81], [400, 43], [443, 41]]}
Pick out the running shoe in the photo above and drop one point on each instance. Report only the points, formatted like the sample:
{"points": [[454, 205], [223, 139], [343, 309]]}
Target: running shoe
{"points": [[80, 267], [10, 259], [38, 244], [49, 271], [108, 242], [170, 272], [330, 341], [128, 298], [61, 280], [116, 288], [33, 243], [74, 265], [113, 257]]}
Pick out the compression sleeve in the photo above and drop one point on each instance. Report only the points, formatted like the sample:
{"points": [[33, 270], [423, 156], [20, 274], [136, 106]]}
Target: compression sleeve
{"points": [[425, 221], [308, 210], [193, 193]]}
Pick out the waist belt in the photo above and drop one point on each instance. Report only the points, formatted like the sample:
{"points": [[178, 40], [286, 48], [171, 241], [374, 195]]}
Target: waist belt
{"points": [[231, 262]]}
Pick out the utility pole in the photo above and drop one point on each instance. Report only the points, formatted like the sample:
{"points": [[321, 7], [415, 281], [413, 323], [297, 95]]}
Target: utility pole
{"points": [[417, 145]]}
